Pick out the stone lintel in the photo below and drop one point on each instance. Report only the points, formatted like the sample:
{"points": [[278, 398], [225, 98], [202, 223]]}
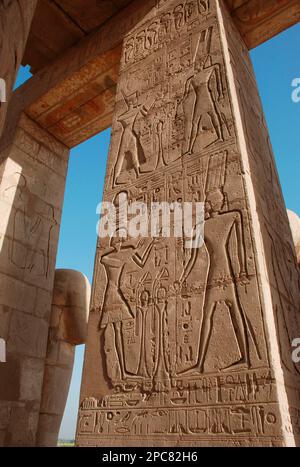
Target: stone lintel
{"points": [[73, 98]]}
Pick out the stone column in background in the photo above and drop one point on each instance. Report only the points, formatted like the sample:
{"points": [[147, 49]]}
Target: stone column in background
{"points": [[193, 348], [68, 328], [32, 183], [15, 21]]}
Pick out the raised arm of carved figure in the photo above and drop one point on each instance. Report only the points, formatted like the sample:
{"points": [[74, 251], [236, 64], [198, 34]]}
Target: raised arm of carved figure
{"points": [[219, 82], [187, 88], [241, 250], [196, 243], [141, 260], [106, 252], [189, 266]]}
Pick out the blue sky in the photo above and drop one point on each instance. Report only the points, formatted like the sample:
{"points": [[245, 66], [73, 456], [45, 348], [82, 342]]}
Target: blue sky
{"points": [[77, 243], [276, 64]]}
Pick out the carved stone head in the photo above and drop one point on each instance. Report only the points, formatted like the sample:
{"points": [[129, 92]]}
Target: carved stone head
{"points": [[214, 202], [70, 307]]}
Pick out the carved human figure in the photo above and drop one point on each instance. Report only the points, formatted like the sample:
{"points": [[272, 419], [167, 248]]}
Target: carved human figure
{"points": [[281, 263], [223, 277], [144, 308], [161, 373], [205, 97], [68, 328], [130, 148], [196, 257], [33, 221], [115, 310], [160, 157]]}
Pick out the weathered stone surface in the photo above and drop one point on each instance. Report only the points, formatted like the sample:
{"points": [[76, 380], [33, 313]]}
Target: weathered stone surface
{"points": [[68, 328], [32, 179], [57, 27], [81, 106], [193, 348], [260, 20], [73, 96], [70, 302], [15, 21], [22, 428], [27, 335], [32, 374], [188, 126]]}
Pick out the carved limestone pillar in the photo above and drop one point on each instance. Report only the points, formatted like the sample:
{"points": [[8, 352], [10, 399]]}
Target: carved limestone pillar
{"points": [[32, 182], [193, 346], [15, 22], [68, 328]]}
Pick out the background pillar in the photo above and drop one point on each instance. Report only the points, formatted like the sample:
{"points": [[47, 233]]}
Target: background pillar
{"points": [[15, 21], [32, 183]]}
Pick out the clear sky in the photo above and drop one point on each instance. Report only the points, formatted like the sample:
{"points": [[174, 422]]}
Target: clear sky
{"points": [[277, 64]]}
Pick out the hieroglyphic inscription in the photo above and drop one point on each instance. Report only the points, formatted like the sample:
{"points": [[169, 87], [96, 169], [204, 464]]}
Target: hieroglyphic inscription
{"points": [[179, 326], [228, 405], [283, 272]]}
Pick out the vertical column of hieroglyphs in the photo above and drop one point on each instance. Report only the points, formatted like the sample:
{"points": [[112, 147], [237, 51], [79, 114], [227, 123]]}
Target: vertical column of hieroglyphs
{"points": [[15, 22], [179, 345], [31, 196]]}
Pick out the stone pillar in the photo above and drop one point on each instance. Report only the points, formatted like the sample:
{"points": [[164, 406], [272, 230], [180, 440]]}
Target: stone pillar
{"points": [[32, 182], [193, 347], [68, 328], [15, 21]]}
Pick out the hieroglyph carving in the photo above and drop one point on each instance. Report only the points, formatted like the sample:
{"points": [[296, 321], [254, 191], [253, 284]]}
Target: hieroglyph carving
{"points": [[182, 335], [176, 97], [33, 222]]}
